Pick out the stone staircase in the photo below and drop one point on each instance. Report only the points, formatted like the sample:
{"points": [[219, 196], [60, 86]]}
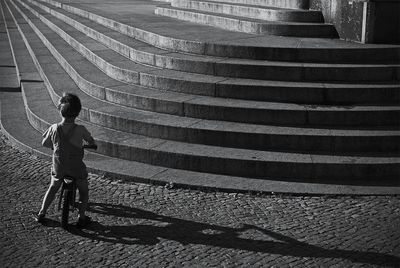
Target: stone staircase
{"points": [[302, 118], [286, 18]]}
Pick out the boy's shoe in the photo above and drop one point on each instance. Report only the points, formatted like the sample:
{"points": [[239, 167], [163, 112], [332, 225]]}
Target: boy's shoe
{"points": [[84, 222], [40, 218]]}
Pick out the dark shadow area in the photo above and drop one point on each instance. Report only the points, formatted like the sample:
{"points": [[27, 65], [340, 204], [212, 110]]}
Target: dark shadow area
{"points": [[10, 89], [51, 223], [190, 232]]}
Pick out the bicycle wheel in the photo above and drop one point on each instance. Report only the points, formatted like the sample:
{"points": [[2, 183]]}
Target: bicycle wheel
{"points": [[65, 208]]}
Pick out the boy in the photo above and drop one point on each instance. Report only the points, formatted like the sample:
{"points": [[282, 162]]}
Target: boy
{"points": [[66, 140]]}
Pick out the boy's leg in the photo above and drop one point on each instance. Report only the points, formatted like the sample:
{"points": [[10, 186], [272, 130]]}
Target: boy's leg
{"points": [[83, 187], [50, 194]]}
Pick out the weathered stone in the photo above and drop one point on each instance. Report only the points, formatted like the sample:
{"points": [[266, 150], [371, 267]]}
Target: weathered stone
{"points": [[277, 129]]}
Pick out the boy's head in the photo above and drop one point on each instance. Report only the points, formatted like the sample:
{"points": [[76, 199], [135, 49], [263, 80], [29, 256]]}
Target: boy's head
{"points": [[69, 105]]}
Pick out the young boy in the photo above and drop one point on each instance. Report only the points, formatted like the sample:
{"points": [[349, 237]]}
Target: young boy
{"points": [[66, 140]]}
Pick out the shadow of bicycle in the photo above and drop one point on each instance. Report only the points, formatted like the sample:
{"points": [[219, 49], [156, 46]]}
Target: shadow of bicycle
{"points": [[191, 232]]}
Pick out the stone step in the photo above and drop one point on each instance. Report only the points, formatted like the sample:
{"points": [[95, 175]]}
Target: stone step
{"points": [[23, 71], [214, 132], [245, 89], [39, 99], [8, 73], [14, 124], [289, 4], [197, 40], [229, 161], [214, 159], [251, 11], [248, 25], [274, 113], [253, 69]]}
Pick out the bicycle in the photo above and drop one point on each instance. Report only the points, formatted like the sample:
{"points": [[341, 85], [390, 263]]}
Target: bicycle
{"points": [[68, 194]]}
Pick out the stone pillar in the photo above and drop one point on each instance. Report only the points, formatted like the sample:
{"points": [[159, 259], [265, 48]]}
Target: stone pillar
{"points": [[368, 21], [380, 21], [365, 21]]}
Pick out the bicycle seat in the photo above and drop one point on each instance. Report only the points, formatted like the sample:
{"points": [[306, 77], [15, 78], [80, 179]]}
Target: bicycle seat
{"points": [[68, 179]]}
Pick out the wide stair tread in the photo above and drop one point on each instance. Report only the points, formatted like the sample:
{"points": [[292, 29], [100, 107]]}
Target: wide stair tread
{"points": [[239, 88], [251, 11], [223, 88], [289, 4], [209, 123], [213, 159], [218, 66], [301, 111], [91, 102], [199, 39], [220, 132], [228, 134], [225, 127], [325, 162], [249, 25], [14, 124]]}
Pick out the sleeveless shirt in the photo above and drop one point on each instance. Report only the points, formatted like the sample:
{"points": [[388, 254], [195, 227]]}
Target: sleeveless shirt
{"points": [[67, 157]]}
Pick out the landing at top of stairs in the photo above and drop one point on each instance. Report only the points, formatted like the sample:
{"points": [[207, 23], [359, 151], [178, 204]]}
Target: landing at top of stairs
{"points": [[137, 19]]}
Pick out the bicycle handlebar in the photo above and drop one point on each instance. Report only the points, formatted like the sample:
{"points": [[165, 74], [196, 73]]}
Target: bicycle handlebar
{"points": [[90, 146]]}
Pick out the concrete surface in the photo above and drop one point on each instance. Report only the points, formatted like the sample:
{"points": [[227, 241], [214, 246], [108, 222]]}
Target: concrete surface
{"points": [[139, 225], [141, 23], [197, 157]]}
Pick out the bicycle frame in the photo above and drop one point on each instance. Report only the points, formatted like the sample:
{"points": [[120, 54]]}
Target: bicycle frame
{"points": [[68, 192], [70, 185]]}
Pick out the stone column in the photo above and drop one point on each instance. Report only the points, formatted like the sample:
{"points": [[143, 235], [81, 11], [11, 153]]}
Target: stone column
{"points": [[380, 21], [365, 21]]}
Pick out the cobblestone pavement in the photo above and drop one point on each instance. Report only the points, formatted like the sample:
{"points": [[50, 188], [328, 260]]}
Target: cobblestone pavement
{"points": [[138, 225]]}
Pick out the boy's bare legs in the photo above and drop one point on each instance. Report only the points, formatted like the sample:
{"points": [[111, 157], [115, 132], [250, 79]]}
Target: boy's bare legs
{"points": [[83, 187], [50, 195]]}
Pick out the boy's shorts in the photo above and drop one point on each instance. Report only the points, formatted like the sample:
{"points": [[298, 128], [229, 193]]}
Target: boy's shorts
{"points": [[82, 184]]}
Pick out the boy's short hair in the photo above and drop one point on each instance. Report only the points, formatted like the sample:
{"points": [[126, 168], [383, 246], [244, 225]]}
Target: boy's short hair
{"points": [[69, 105]]}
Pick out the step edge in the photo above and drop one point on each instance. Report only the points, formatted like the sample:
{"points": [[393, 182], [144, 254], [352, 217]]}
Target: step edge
{"points": [[305, 156], [252, 26], [285, 188], [100, 99], [310, 105], [202, 70], [284, 14], [179, 44]]}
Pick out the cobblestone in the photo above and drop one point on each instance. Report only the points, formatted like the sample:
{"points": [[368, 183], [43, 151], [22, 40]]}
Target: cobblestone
{"points": [[139, 225]]}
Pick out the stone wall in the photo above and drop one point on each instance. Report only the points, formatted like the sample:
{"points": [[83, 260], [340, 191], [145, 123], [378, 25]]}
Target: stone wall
{"points": [[366, 21], [387, 23]]}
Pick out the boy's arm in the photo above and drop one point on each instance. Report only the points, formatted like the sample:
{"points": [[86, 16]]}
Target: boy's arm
{"points": [[90, 141], [46, 142], [88, 137]]}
